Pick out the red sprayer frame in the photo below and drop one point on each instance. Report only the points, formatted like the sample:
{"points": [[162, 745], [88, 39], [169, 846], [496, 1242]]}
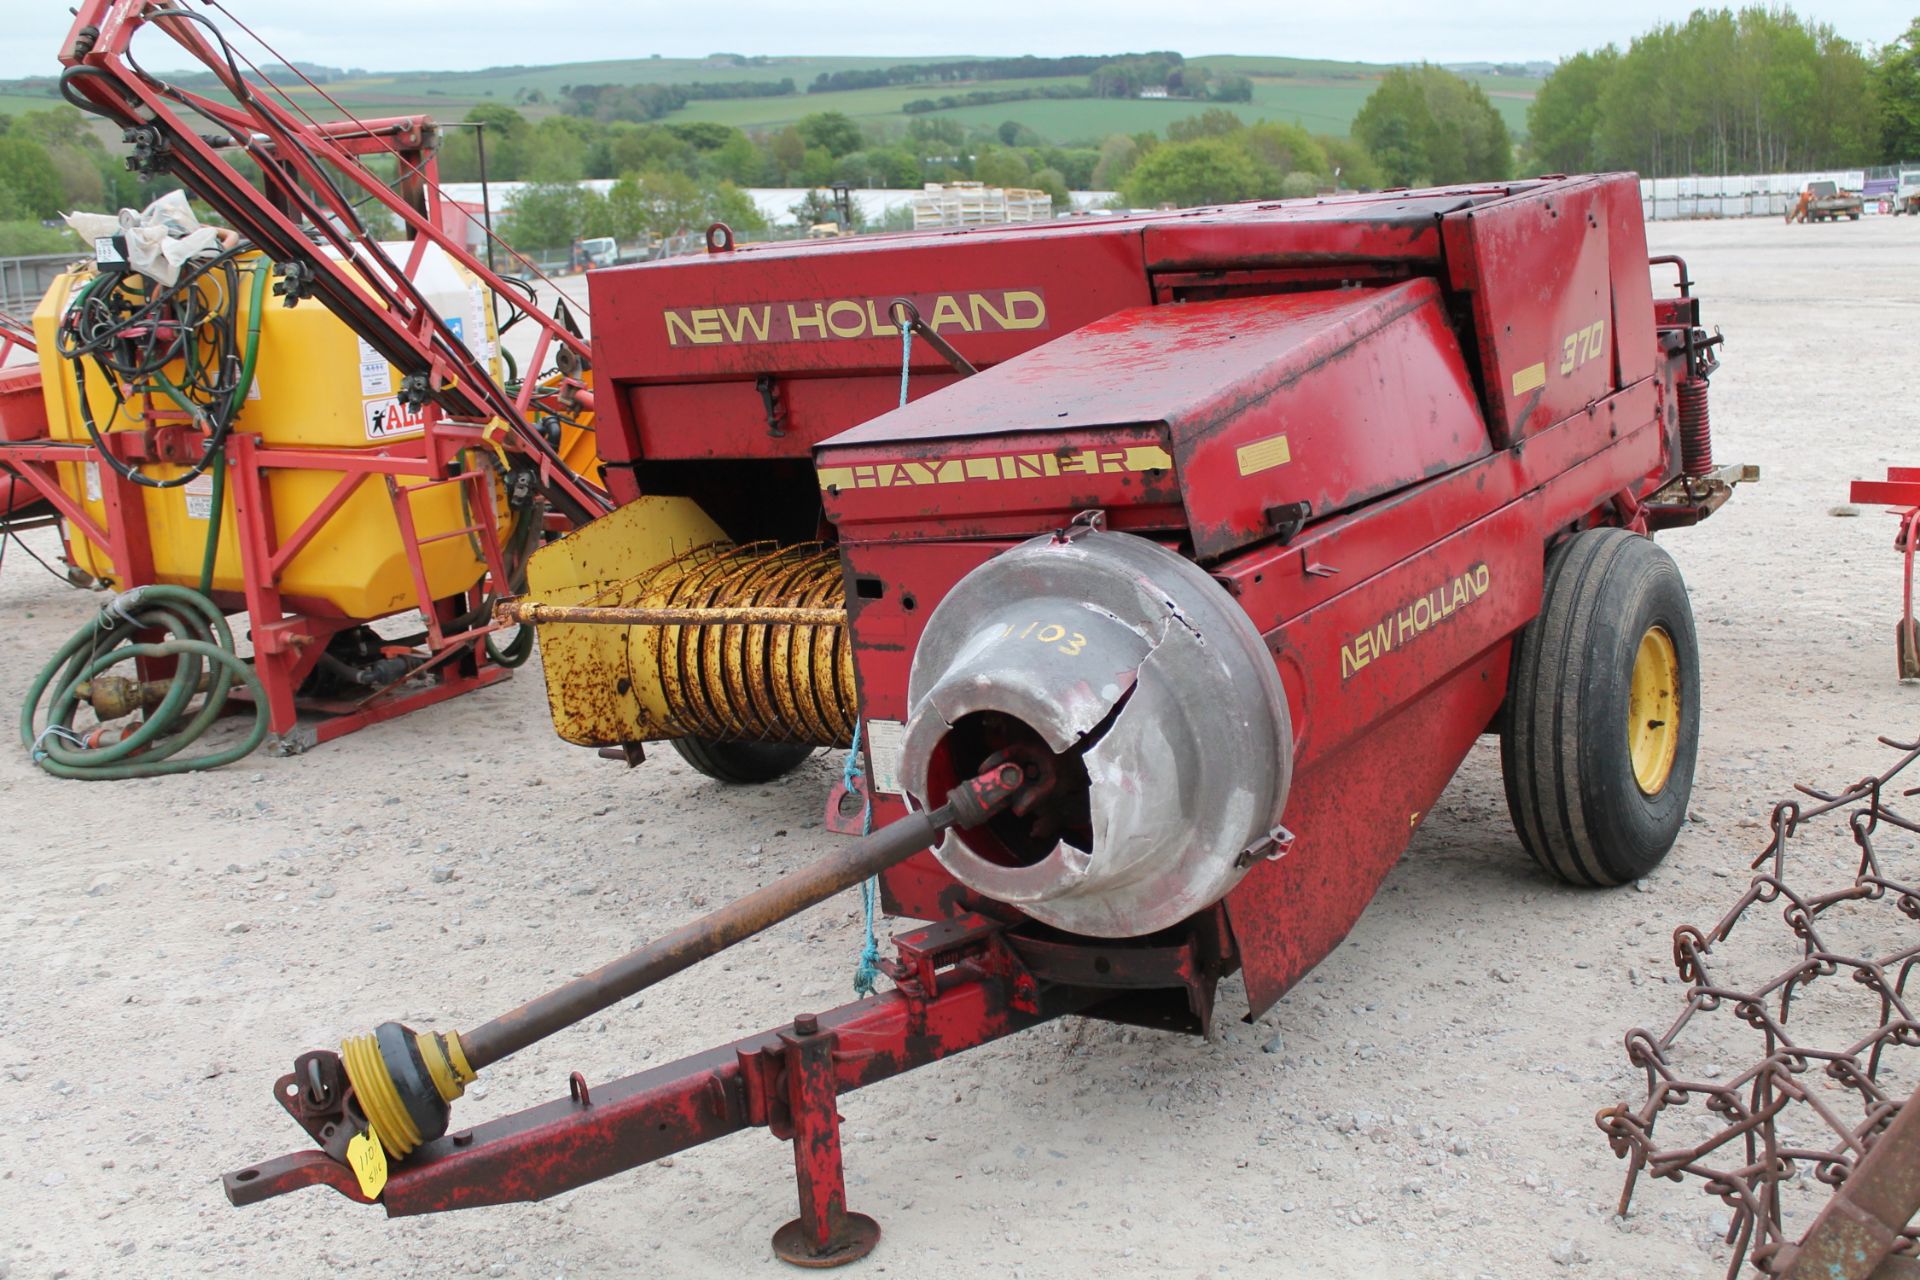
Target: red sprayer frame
{"points": [[297, 210], [1900, 491]]}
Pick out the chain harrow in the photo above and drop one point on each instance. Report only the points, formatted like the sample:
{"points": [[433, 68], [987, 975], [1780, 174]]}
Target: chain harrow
{"points": [[1775, 1139]]}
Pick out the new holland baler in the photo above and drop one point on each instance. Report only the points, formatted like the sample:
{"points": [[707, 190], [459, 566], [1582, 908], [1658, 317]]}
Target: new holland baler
{"points": [[1162, 569]]}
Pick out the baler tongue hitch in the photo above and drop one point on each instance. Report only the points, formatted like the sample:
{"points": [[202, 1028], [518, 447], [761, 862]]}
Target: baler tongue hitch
{"points": [[394, 1088], [968, 805]]}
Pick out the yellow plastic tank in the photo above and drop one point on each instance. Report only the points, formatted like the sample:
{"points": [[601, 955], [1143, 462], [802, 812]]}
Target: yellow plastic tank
{"points": [[316, 385]]}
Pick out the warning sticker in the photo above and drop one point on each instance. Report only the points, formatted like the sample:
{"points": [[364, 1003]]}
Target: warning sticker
{"points": [[376, 376], [91, 472], [389, 418], [199, 491], [885, 740]]}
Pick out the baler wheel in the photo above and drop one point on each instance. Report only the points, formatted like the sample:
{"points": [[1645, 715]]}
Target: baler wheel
{"points": [[1603, 711], [740, 763]]}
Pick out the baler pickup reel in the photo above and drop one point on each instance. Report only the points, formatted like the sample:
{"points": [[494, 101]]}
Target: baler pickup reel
{"points": [[388, 1095]]}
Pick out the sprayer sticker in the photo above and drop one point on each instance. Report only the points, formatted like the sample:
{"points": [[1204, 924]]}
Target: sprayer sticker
{"points": [[885, 740], [1263, 455], [1525, 380], [199, 491], [90, 472], [389, 418], [369, 1161], [827, 319], [1410, 621], [376, 378]]}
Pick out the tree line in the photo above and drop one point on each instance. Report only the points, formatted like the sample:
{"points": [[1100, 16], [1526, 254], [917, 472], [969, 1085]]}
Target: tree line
{"points": [[1022, 68], [52, 162], [1753, 90], [1121, 76], [651, 101]]}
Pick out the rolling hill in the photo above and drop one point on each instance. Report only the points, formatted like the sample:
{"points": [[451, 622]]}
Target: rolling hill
{"points": [[1320, 95]]}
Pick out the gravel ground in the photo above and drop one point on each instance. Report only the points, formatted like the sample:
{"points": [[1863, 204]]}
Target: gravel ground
{"points": [[1422, 1104]]}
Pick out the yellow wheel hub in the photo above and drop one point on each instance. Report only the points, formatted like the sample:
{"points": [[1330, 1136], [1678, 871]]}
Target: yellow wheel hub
{"points": [[1653, 711]]}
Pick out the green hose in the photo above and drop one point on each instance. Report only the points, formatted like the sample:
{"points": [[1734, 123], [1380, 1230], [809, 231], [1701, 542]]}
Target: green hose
{"points": [[219, 468], [202, 645]]}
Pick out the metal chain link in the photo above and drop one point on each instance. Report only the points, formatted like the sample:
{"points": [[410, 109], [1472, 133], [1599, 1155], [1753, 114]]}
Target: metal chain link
{"points": [[1808, 1111]]}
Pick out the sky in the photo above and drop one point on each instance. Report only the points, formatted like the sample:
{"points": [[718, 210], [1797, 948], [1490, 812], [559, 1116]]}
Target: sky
{"points": [[457, 35]]}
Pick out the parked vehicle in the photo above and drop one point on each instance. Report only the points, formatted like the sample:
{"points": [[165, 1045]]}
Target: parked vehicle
{"points": [[1826, 202], [1906, 196]]}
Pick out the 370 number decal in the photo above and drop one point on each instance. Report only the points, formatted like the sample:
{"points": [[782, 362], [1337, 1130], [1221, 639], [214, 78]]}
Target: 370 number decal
{"points": [[1582, 345], [1063, 640]]}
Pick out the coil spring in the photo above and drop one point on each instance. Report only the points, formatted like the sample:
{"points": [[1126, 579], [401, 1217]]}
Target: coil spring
{"points": [[756, 682], [1696, 432]]}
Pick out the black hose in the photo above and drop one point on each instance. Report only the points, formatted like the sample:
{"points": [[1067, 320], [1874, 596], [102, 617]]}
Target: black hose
{"points": [[119, 333]]}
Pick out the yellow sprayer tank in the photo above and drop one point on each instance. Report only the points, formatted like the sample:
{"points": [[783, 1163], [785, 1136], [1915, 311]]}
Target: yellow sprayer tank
{"points": [[317, 385]]}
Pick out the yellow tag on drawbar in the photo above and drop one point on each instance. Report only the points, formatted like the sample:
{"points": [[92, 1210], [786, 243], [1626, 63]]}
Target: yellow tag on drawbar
{"points": [[369, 1161]]}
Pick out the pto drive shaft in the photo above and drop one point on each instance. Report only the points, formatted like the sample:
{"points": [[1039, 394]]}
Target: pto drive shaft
{"points": [[404, 1081]]}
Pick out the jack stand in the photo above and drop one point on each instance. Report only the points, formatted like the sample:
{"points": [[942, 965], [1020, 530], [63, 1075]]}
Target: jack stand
{"points": [[825, 1234]]}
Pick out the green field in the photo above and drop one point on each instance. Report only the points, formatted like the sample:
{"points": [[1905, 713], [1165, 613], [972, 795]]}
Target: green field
{"points": [[1318, 107], [13, 104], [864, 105], [1320, 95], [1318, 104], [504, 82]]}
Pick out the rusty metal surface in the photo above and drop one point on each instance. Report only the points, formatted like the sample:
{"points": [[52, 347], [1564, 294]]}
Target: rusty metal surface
{"points": [[1127, 672], [1829, 1103], [1862, 1224], [735, 643], [512, 612], [825, 1234], [283, 1174]]}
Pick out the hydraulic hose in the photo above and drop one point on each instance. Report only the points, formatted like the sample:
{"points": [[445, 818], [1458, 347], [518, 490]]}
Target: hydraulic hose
{"points": [[201, 645], [261, 272]]}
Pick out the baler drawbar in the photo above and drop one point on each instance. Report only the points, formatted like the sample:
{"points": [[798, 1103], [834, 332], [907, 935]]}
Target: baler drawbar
{"points": [[959, 984]]}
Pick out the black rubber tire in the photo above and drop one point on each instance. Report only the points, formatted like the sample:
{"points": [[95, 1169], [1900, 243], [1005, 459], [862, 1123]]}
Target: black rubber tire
{"points": [[1563, 750], [741, 762]]}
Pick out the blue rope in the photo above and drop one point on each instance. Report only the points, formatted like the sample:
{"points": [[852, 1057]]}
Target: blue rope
{"points": [[866, 971], [906, 358]]}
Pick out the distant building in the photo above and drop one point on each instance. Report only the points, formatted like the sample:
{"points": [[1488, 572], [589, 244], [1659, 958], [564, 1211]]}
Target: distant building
{"points": [[973, 204], [1154, 91]]}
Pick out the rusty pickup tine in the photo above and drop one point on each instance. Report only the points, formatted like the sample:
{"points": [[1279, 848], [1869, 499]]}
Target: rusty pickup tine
{"points": [[1827, 1108]]}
